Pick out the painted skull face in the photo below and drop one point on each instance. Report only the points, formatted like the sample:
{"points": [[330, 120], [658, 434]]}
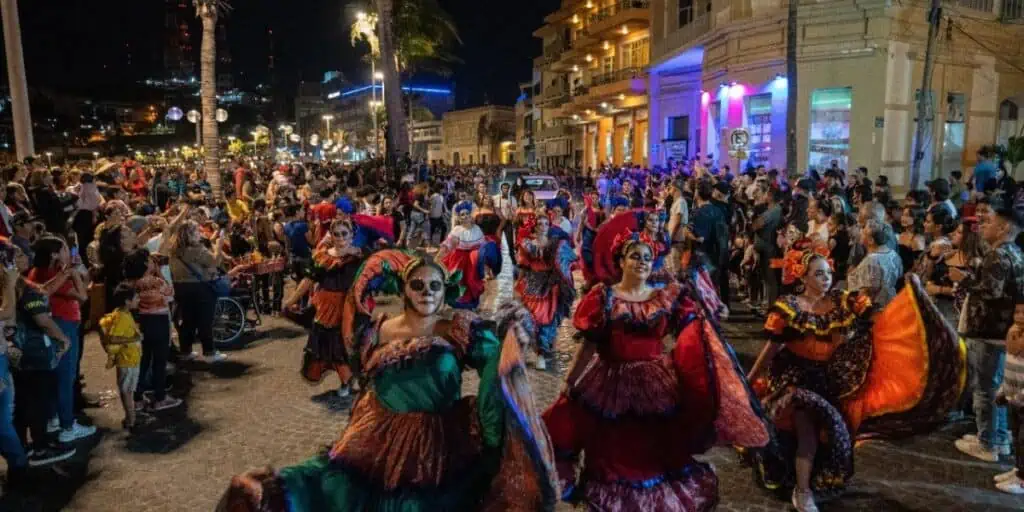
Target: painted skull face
{"points": [[424, 290]]}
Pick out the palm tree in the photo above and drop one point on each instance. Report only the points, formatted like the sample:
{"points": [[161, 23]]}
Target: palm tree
{"points": [[410, 35], [791, 100], [208, 11], [16, 79]]}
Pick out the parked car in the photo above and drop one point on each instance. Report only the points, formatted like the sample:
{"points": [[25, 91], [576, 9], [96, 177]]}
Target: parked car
{"points": [[544, 187]]}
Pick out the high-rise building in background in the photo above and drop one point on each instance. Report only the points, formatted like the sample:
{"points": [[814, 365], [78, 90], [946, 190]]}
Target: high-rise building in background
{"points": [[179, 62]]}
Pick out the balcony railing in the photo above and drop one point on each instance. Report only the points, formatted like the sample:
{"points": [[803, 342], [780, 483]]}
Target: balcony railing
{"points": [[976, 5], [615, 76], [682, 36], [554, 50], [611, 10], [1013, 11]]}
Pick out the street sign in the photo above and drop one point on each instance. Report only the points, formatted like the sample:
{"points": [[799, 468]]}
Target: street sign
{"points": [[739, 139]]}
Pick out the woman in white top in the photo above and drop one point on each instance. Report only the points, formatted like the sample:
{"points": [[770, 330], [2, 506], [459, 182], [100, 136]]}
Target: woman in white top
{"points": [[818, 213]]}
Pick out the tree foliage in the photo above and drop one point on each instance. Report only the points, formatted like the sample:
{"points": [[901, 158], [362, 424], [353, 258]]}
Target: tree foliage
{"points": [[425, 35]]}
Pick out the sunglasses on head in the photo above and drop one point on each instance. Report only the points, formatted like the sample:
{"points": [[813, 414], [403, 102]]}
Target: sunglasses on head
{"points": [[418, 285]]}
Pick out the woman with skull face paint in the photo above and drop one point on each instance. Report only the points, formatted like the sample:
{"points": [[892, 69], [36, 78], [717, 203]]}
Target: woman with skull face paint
{"points": [[545, 284], [834, 369], [414, 443], [329, 277], [636, 414], [463, 252]]}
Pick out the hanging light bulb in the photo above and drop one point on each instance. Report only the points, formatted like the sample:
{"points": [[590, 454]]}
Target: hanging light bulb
{"points": [[590, 5], [589, 57], [575, 18], [605, 45], [624, 30], [622, 97], [575, 68]]}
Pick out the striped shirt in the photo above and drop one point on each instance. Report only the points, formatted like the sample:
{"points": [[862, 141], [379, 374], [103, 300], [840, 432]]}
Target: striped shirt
{"points": [[1013, 380]]}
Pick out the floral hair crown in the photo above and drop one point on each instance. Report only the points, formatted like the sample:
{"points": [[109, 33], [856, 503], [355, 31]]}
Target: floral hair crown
{"points": [[625, 240], [798, 260], [463, 206]]}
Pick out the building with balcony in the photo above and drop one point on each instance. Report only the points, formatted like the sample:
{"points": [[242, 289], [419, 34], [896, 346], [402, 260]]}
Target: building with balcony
{"points": [[593, 84], [720, 65], [527, 120], [479, 136]]}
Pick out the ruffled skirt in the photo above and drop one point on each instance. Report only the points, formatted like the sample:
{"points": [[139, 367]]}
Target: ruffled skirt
{"points": [[325, 352], [639, 423], [468, 262], [543, 294]]}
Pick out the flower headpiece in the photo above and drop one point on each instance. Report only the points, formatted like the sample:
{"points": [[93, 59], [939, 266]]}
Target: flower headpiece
{"points": [[463, 206], [798, 259], [625, 240]]}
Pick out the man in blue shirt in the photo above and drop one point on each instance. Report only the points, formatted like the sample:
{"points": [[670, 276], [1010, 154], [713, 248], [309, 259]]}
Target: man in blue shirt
{"points": [[985, 169]]}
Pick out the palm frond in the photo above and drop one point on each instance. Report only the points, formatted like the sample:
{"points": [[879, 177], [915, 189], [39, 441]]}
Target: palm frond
{"points": [[218, 6]]}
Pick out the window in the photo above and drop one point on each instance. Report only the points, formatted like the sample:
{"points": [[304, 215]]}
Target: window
{"points": [[678, 128], [636, 54], [829, 137], [690, 10], [759, 124], [608, 64], [483, 159], [471, 159], [541, 184], [953, 133], [1008, 120]]}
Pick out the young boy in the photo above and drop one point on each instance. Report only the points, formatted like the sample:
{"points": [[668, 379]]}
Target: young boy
{"points": [[122, 341], [1011, 394]]}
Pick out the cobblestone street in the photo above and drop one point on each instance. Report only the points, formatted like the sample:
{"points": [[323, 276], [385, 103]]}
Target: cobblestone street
{"points": [[255, 410]]}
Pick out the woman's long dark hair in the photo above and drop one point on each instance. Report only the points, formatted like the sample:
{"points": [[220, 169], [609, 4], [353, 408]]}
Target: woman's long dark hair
{"points": [[46, 250], [112, 257]]}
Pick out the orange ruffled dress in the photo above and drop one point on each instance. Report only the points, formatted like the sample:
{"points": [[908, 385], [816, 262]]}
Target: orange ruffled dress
{"points": [[895, 373], [325, 350], [638, 414]]}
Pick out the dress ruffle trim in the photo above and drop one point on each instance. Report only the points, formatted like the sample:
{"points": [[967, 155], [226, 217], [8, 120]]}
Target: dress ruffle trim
{"points": [[786, 313], [600, 305], [633, 388], [693, 489], [409, 450], [403, 351]]}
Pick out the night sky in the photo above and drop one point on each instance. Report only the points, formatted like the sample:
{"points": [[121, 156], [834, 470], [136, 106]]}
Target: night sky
{"points": [[71, 46]]}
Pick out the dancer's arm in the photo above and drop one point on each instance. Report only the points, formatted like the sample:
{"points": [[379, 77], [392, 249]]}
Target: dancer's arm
{"points": [[771, 349], [580, 362], [300, 291]]}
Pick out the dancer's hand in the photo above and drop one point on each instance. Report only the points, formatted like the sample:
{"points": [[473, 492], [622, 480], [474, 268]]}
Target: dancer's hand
{"points": [[246, 491]]}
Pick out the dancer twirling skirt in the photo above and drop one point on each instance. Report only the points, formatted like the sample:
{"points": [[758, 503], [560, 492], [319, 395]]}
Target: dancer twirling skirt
{"points": [[637, 415], [414, 444], [545, 284]]}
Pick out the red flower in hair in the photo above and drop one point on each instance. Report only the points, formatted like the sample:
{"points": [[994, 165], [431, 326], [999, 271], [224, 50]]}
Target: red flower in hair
{"points": [[798, 259]]}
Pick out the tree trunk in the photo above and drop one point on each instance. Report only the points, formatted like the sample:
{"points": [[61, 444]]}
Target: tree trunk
{"points": [[208, 94], [397, 134], [925, 103], [16, 79], [792, 94]]}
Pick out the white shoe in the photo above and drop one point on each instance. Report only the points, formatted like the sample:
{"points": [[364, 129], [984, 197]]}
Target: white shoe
{"points": [[190, 357], [1002, 477], [53, 426], [75, 433], [803, 501], [976, 450], [1011, 486], [1001, 449], [541, 363], [215, 357]]}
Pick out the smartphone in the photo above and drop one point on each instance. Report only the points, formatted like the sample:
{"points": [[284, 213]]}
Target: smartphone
{"points": [[74, 252]]}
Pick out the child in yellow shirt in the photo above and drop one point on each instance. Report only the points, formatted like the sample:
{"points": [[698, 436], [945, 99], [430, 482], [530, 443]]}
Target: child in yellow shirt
{"points": [[122, 341]]}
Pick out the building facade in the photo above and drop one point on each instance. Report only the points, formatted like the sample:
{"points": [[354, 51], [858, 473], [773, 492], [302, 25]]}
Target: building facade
{"points": [[479, 136], [426, 138], [528, 117], [593, 76], [717, 66]]}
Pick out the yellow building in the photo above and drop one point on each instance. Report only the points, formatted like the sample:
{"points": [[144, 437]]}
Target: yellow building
{"points": [[720, 65], [479, 136], [593, 84]]}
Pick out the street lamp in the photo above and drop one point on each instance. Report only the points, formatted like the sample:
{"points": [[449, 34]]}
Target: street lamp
{"points": [[327, 119], [95, 158], [49, 159]]}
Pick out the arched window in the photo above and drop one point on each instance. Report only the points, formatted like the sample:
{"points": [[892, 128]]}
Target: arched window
{"points": [[1009, 124]]}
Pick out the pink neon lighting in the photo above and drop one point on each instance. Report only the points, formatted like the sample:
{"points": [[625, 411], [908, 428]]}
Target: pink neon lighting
{"points": [[705, 99], [737, 91]]}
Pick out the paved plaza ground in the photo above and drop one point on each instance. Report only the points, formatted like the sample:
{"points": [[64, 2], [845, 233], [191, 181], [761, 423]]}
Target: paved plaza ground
{"points": [[255, 410]]}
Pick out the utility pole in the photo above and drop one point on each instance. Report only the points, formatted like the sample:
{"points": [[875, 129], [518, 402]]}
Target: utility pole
{"points": [[23, 142], [792, 93], [925, 100]]}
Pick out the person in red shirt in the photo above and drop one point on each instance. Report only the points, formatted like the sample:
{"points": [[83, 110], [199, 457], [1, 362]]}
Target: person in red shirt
{"points": [[53, 270]]}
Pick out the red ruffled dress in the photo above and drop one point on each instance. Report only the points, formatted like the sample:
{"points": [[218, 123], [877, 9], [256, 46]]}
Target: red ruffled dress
{"points": [[639, 414]]}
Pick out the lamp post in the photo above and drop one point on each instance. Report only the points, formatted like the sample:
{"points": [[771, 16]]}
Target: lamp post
{"points": [[49, 159], [327, 119], [374, 105], [95, 159]]}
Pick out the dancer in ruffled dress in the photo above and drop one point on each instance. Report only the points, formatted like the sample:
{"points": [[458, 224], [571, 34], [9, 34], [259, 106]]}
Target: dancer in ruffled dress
{"points": [[593, 217], [334, 266], [414, 443], [545, 284], [834, 369], [638, 415], [468, 252]]}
